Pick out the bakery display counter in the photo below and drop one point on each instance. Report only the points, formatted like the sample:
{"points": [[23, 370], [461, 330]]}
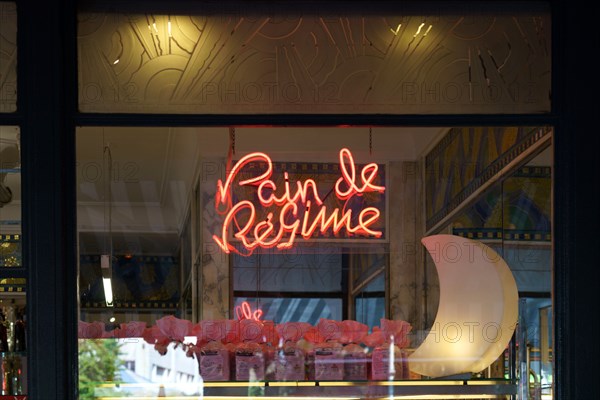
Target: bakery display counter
{"points": [[338, 390]]}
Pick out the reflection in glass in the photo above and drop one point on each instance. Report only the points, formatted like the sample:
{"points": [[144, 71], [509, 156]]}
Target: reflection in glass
{"points": [[514, 217], [13, 336], [147, 221], [369, 303], [10, 197], [294, 309]]}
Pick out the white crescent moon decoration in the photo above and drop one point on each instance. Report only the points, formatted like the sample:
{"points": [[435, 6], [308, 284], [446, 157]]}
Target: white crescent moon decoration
{"points": [[477, 313]]}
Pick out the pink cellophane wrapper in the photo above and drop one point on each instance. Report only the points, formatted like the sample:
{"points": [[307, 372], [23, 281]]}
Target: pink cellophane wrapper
{"points": [[249, 357], [90, 330], [174, 328], [290, 357], [353, 332], [232, 331], [292, 331], [375, 339], [395, 334], [251, 331], [388, 361], [329, 329], [329, 362], [396, 331], [386, 364], [131, 329], [249, 362], [355, 363], [155, 337], [214, 362], [290, 363], [197, 332], [355, 358], [313, 336]]}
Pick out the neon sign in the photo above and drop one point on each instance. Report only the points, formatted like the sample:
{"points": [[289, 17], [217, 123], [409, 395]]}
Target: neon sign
{"points": [[299, 209], [244, 311]]}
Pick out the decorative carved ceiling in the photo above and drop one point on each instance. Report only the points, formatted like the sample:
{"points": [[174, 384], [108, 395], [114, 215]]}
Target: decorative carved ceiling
{"points": [[309, 64]]}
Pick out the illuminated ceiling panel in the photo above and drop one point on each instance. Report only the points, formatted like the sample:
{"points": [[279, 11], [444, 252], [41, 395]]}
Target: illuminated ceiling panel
{"points": [[240, 64]]}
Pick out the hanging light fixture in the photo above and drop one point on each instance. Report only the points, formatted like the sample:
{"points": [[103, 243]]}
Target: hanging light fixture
{"points": [[106, 257]]}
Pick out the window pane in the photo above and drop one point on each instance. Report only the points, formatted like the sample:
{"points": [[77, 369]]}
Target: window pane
{"points": [[370, 310], [214, 238], [8, 56], [10, 197], [13, 285], [13, 335], [237, 62], [295, 309], [300, 271], [514, 218]]}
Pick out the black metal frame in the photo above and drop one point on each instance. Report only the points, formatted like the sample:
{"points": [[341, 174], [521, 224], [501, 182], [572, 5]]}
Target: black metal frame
{"points": [[47, 115]]}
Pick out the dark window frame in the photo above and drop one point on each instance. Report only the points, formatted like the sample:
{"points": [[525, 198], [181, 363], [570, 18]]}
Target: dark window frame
{"points": [[47, 115]]}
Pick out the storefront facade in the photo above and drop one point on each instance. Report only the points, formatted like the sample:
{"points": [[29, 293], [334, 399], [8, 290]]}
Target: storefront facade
{"points": [[56, 113]]}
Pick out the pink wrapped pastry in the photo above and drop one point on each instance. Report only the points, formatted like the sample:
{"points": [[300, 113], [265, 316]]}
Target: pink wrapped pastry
{"points": [[174, 328], [396, 331], [290, 359], [330, 330], [155, 337], [249, 357], [329, 362], [388, 360], [355, 357], [214, 360], [131, 329], [231, 329], [90, 330]]}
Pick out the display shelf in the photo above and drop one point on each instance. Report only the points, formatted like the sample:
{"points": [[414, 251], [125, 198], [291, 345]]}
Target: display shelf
{"points": [[338, 390]]}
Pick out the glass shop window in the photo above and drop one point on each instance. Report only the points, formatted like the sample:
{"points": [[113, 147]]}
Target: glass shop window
{"points": [[218, 260], [482, 58], [276, 261], [13, 284]]}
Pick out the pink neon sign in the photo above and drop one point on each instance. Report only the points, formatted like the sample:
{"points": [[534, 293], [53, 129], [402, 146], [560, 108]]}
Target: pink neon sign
{"points": [[244, 311], [299, 209]]}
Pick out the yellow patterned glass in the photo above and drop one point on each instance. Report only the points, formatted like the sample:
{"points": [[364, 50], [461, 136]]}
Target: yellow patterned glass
{"points": [[310, 63]]}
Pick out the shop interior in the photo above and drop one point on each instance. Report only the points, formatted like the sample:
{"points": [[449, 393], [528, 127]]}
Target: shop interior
{"points": [[156, 217], [154, 238]]}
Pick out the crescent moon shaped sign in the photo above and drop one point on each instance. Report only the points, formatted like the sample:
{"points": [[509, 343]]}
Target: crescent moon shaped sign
{"points": [[478, 309]]}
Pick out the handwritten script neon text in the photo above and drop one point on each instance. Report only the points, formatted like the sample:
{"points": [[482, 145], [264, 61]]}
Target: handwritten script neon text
{"points": [[301, 210]]}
